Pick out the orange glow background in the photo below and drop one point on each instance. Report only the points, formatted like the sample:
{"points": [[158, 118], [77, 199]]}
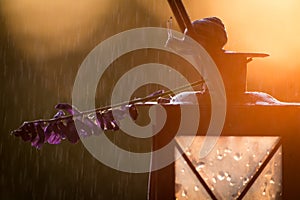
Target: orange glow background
{"points": [[270, 26], [43, 43], [44, 30]]}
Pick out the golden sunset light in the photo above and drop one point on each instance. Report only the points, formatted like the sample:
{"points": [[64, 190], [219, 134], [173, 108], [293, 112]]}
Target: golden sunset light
{"points": [[149, 99]]}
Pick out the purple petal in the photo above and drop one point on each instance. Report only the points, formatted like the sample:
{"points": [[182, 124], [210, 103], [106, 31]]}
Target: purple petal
{"points": [[83, 129], [115, 125], [35, 142], [38, 141], [108, 120], [74, 111], [28, 131], [119, 114], [133, 112], [59, 114], [54, 138], [100, 120], [52, 134], [71, 132], [68, 108], [89, 124], [23, 134]]}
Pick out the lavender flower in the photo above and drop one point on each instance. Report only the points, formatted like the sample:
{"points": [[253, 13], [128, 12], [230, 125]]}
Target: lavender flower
{"points": [[71, 126]]}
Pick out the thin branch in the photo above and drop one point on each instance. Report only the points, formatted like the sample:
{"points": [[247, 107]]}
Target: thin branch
{"points": [[139, 100]]}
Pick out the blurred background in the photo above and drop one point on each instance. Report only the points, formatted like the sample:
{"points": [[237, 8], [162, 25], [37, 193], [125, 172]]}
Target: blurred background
{"points": [[43, 43]]}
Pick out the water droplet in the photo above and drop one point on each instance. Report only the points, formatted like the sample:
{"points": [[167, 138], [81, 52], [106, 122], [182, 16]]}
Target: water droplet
{"points": [[259, 163], [214, 180], [184, 193], [232, 184], [188, 152], [182, 170], [245, 180], [227, 150], [221, 176], [228, 178], [272, 181], [196, 188], [200, 165], [237, 156], [247, 165], [220, 157], [264, 192]]}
